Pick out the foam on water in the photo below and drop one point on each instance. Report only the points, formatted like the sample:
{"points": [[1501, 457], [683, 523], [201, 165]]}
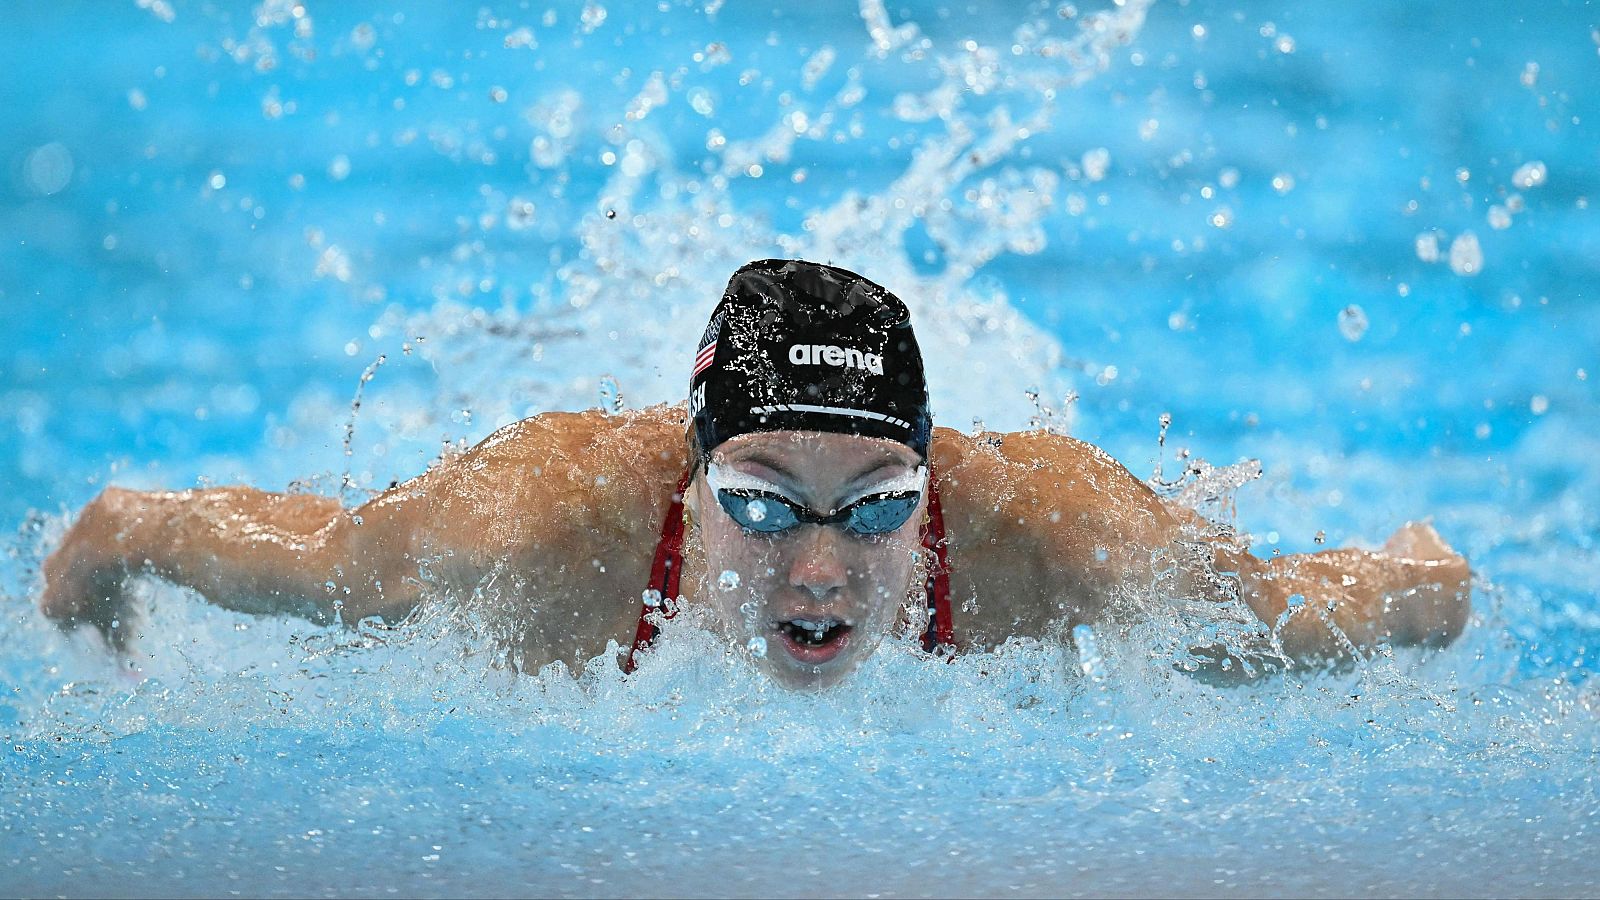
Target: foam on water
{"points": [[271, 756]]}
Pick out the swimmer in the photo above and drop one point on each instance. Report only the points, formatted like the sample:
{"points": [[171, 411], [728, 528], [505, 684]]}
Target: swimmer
{"points": [[802, 497]]}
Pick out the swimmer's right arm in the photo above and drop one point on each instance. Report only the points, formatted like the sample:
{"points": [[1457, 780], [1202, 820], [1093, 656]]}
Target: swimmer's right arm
{"points": [[524, 500], [241, 548]]}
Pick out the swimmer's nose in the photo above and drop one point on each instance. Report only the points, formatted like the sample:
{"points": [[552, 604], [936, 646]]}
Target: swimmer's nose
{"points": [[818, 566]]}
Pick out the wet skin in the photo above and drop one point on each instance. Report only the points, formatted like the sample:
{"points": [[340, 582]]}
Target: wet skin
{"points": [[548, 526]]}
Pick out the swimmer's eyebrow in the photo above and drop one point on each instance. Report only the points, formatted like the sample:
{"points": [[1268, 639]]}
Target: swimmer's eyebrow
{"points": [[770, 463], [866, 475], [794, 482]]}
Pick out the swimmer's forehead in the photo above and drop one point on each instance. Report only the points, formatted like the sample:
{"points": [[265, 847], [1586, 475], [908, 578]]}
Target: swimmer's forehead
{"points": [[805, 456]]}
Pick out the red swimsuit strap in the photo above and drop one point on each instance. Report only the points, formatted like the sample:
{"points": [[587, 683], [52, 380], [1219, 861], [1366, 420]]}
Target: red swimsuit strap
{"points": [[665, 572], [941, 633], [667, 569]]}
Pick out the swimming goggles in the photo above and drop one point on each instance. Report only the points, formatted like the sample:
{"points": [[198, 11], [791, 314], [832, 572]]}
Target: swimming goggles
{"points": [[756, 505]]}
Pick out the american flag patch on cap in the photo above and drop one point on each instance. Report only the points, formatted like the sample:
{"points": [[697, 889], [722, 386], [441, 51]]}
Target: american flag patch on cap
{"points": [[703, 358]]}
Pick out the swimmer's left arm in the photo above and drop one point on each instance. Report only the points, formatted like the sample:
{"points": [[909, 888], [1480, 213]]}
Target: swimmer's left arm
{"points": [[1415, 591], [1111, 529]]}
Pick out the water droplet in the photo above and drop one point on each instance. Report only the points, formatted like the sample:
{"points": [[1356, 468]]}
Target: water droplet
{"points": [[519, 213], [757, 647], [729, 579], [1352, 322], [1283, 182], [611, 400], [1529, 175], [652, 599], [1096, 163], [757, 511], [1089, 660], [1466, 257], [1428, 246], [48, 169]]}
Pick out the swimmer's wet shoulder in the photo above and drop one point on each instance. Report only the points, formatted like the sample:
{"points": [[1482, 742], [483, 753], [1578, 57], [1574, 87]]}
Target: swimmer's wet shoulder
{"points": [[556, 512]]}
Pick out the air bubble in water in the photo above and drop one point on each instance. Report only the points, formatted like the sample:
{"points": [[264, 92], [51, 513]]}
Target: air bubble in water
{"points": [[1283, 182], [1529, 175], [592, 17], [1466, 257], [1499, 217], [729, 579], [1352, 322]]}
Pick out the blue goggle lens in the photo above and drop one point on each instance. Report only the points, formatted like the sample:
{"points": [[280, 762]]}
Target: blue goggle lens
{"points": [[770, 513]]}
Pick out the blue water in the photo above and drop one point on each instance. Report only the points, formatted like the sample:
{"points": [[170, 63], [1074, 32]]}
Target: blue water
{"points": [[215, 217]]}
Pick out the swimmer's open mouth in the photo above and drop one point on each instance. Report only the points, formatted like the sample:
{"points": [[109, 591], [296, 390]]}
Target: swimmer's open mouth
{"points": [[814, 640]]}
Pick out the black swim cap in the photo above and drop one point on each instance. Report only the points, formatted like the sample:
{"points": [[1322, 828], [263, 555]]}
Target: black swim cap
{"points": [[799, 346]]}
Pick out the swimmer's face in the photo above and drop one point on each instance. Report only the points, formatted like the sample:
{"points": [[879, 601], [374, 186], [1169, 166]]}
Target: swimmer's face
{"points": [[821, 596]]}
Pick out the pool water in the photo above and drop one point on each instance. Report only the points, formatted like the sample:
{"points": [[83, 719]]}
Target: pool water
{"points": [[1351, 241]]}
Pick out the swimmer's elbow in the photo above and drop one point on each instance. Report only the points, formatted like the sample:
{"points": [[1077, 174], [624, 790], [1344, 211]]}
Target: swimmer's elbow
{"points": [[1435, 612], [365, 562]]}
